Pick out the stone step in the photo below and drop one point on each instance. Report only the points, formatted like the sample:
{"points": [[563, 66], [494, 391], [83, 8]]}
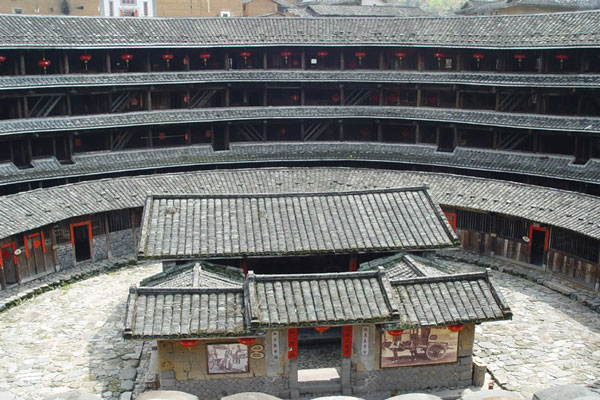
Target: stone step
{"points": [[320, 387], [559, 287]]}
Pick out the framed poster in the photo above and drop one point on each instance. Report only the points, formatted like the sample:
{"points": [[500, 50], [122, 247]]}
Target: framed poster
{"points": [[424, 346], [227, 358]]}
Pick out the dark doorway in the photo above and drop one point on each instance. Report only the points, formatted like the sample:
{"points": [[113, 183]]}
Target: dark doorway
{"points": [[81, 240], [320, 359], [538, 245]]}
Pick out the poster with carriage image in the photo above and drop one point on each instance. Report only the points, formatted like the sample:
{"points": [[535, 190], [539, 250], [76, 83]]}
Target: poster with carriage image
{"points": [[227, 358], [422, 346]]}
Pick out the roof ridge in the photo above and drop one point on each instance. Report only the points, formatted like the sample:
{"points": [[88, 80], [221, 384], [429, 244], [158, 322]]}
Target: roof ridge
{"points": [[330, 275], [441, 278]]}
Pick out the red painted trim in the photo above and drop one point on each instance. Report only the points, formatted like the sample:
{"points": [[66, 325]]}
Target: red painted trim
{"points": [[43, 242], [347, 341], [546, 235], [88, 223], [14, 247], [16, 259], [451, 219], [353, 263], [72, 235], [26, 247], [292, 343]]}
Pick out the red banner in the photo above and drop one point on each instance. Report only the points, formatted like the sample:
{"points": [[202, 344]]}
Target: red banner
{"points": [[292, 343], [347, 341]]}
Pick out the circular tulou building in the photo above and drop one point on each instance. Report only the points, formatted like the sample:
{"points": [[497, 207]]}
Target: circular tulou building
{"points": [[248, 141]]}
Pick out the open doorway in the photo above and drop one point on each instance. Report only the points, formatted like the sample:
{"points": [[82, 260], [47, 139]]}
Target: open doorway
{"points": [[538, 239], [319, 360], [81, 236]]}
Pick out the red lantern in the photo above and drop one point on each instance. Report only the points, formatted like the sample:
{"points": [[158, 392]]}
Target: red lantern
{"points": [[2, 59], [478, 57], [365, 132], [335, 98], [208, 133], [127, 57], [456, 328], [401, 55], [43, 63], [167, 57], [286, 55], [395, 332], [36, 244], [295, 97], [85, 59], [188, 344], [77, 142], [204, 57], [245, 55], [162, 136], [322, 54], [321, 329], [360, 55], [439, 56], [392, 98], [520, 57], [562, 58], [247, 341], [283, 131]]}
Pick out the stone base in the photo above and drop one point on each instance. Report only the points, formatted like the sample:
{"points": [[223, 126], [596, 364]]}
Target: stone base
{"points": [[210, 389]]}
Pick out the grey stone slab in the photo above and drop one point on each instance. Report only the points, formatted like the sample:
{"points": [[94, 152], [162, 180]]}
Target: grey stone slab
{"points": [[562, 392]]}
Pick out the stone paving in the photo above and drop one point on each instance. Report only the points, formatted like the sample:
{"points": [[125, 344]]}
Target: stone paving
{"points": [[551, 340], [70, 338]]}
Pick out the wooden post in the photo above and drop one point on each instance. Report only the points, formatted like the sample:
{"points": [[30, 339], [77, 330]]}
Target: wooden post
{"points": [[303, 59], [107, 233], [420, 62], [107, 62], [341, 125], [418, 134], [54, 255], [265, 60], [342, 63], [381, 60], [379, 131], [149, 98], [66, 68], [419, 96], [22, 64]]}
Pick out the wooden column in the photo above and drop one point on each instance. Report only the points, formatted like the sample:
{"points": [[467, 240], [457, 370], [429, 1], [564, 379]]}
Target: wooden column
{"points": [[420, 62], [419, 96], [342, 63], [417, 133], [381, 60], [228, 95], [66, 67], [22, 64], [148, 62], [149, 98], [227, 64], [265, 60], [341, 125], [107, 234], [303, 59], [107, 62], [379, 131]]}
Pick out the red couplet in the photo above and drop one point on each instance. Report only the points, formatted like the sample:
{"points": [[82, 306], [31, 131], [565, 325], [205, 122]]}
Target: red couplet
{"points": [[347, 341], [292, 343]]}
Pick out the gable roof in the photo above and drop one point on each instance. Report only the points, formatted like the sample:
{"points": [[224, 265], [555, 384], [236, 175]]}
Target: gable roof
{"points": [[197, 274], [578, 29], [405, 266], [280, 301], [205, 226]]}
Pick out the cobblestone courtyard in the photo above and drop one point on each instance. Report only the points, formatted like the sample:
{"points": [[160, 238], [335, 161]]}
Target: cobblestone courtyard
{"points": [[70, 338]]}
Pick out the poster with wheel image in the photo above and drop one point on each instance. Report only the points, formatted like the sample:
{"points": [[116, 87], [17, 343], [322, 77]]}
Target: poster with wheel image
{"points": [[423, 346]]}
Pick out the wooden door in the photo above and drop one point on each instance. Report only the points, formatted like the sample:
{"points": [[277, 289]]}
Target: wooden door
{"points": [[8, 263], [35, 253]]}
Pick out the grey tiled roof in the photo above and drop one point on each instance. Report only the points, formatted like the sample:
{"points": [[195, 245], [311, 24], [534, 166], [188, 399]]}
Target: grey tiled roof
{"points": [[403, 266], [167, 117], [365, 11], [203, 226], [530, 164], [184, 312], [311, 300], [487, 6], [197, 274], [514, 31], [14, 82], [569, 210], [450, 299], [319, 299]]}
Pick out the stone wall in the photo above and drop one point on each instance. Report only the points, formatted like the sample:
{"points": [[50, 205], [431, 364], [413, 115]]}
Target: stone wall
{"points": [[368, 376], [64, 255], [99, 248], [121, 243], [186, 369]]}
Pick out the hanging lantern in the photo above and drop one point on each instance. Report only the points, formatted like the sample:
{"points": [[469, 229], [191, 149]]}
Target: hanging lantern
{"points": [[321, 329], [286, 55], [520, 57], [295, 97], [85, 59], [283, 131], [77, 142], [248, 341], [44, 63], [392, 98], [208, 133], [335, 98], [186, 137], [360, 55], [245, 55], [395, 332], [162, 136], [5, 254], [167, 57], [2, 59], [439, 56], [400, 55], [456, 328], [365, 132], [204, 57], [127, 58], [188, 344], [478, 57], [322, 54], [404, 133], [562, 58]]}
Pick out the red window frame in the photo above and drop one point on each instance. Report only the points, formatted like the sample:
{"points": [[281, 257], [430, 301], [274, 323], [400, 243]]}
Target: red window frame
{"points": [[546, 236], [451, 219]]}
